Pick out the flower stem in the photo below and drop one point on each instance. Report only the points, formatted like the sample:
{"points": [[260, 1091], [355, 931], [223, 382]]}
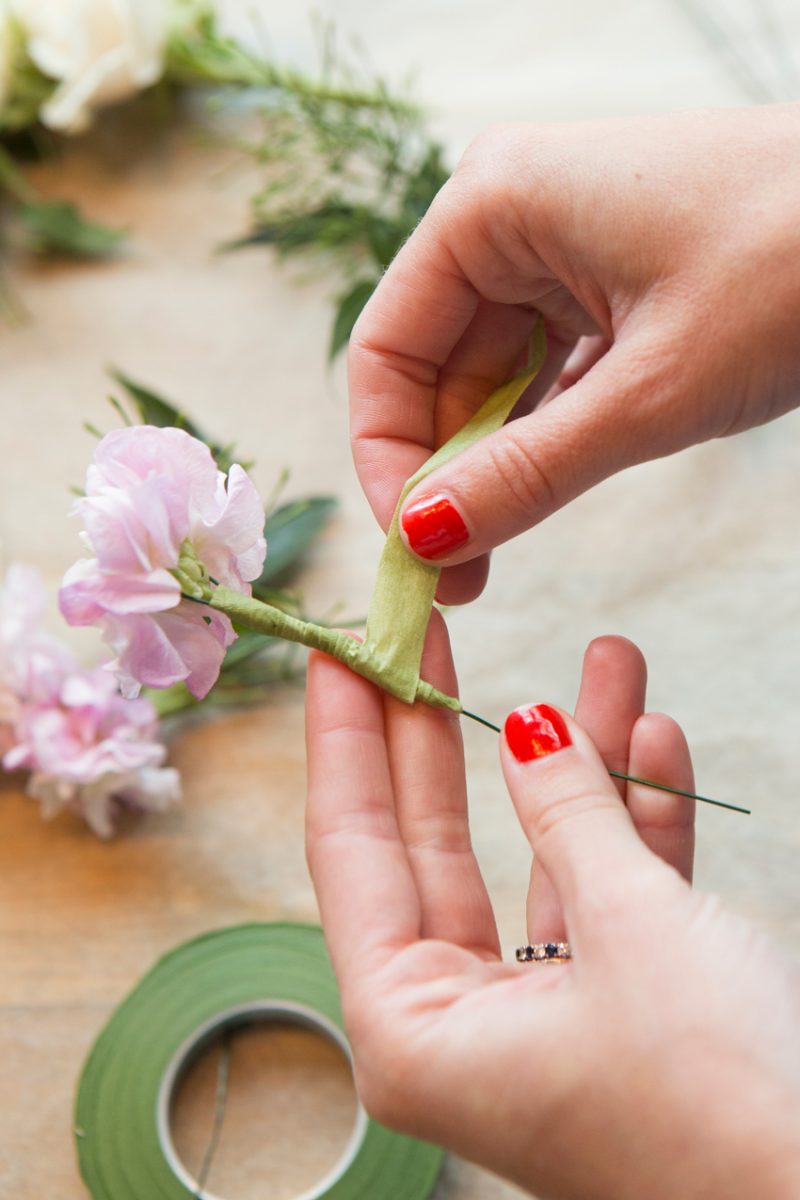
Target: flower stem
{"points": [[361, 657]]}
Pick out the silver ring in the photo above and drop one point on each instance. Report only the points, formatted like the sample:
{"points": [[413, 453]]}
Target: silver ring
{"points": [[544, 952]]}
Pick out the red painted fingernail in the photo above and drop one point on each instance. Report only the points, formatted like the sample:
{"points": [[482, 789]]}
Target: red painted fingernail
{"points": [[434, 527], [536, 732]]}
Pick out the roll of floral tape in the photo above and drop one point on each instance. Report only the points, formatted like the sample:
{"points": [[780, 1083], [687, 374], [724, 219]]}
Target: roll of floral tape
{"points": [[225, 978]]}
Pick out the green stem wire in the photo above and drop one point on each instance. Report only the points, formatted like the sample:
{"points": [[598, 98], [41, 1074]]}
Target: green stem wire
{"points": [[220, 1103], [361, 658], [659, 787], [662, 787]]}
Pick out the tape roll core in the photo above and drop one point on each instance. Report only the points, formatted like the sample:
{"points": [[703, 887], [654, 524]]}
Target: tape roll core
{"points": [[232, 1018], [228, 977]]}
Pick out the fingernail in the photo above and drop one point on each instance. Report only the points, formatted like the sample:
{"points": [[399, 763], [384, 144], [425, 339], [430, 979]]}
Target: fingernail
{"points": [[536, 732], [434, 526]]}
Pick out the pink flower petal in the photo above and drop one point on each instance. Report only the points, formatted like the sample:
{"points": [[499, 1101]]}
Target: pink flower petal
{"points": [[145, 654], [201, 642], [88, 593], [141, 451], [140, 529], [148, 491], [234, 539]]}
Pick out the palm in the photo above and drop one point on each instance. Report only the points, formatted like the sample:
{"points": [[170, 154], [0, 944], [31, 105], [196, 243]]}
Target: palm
{"points": [[428, 999]]}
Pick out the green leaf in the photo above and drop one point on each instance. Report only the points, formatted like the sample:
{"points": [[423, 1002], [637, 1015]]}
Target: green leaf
{"points": [[333, 225], [58, 227], [384, 239], [246, 645], [289, 531], [348, 310], [155, 410]]}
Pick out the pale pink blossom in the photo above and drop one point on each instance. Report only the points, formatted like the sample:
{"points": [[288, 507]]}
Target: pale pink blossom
{"points": [[32, 663], [156, 505], [94, 752]]}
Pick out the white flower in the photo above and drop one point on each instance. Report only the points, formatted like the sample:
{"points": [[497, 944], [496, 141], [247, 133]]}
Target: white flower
{"points": [[150, 789], [98, 51]]}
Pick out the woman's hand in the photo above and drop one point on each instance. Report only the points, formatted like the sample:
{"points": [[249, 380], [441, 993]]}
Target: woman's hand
{"points": [[662, 1061], [663, 253]]}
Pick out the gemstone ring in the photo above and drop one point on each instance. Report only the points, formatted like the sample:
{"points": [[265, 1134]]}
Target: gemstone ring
{"points": [[545, 952]]}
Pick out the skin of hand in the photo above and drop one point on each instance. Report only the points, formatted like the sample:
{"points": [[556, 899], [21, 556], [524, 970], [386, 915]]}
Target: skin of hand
{"points": [[662, 253], [662, 1061]]}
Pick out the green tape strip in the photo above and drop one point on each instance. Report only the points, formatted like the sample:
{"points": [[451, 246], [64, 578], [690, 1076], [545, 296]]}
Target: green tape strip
{"points": [[120, 1113], [405, 588]]}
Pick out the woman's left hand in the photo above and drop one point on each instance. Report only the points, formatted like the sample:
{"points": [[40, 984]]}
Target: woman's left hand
{"points": [[661, 1061]]}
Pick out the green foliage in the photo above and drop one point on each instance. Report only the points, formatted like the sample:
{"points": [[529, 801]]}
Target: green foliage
{"points": [[348, 310], [44, 227], [57, 227], [349, 171], [245, 678], [199, 55], [153, 409], [27, 88], [349, 166], [290, 531]]}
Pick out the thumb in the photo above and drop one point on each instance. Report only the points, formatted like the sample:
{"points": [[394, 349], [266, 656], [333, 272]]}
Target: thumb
{"points": [[576, 823], [620, 413]]}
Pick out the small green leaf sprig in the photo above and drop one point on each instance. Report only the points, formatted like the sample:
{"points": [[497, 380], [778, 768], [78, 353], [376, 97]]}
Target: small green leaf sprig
{"points": [[46, 228], [349, 171]]}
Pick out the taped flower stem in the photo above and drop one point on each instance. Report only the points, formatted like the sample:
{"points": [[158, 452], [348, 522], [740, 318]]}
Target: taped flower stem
{"points": [[402, 599]]}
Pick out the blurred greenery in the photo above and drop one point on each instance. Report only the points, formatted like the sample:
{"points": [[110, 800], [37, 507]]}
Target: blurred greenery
{"points": [[152, 409], [290, 530], [349, 171], [349, 166], [46, 227], [57, 227]]}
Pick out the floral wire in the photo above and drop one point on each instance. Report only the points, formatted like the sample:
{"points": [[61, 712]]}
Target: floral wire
{"points": [[220, 1101], [661, 787]]}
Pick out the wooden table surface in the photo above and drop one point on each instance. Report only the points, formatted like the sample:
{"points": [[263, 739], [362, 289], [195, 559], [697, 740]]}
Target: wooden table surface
{"points": [[695, 558]]}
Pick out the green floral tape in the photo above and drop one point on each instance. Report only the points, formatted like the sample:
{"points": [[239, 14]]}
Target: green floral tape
{"points": [[227, 977]]}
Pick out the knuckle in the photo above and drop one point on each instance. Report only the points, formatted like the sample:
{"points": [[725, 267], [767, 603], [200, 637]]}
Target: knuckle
{"points": [[521, 474], [497, 141], [445, 832], [554, 818], [483, 173]]}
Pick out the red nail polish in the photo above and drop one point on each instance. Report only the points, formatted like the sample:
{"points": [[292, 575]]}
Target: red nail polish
{"points": [[434, 527], [536, 732]]}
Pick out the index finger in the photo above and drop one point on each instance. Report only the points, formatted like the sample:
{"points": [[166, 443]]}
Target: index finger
{"points": [[446, 325], [418, 313], [366, 892]]}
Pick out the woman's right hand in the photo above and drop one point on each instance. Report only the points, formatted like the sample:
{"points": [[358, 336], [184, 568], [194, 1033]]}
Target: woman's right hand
{"points": [[663, 254]]}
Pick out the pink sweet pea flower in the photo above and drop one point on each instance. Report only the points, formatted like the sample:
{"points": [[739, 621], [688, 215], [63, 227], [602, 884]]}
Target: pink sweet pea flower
{"points": [[160, 519], [93, 751], [32, 664]]}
